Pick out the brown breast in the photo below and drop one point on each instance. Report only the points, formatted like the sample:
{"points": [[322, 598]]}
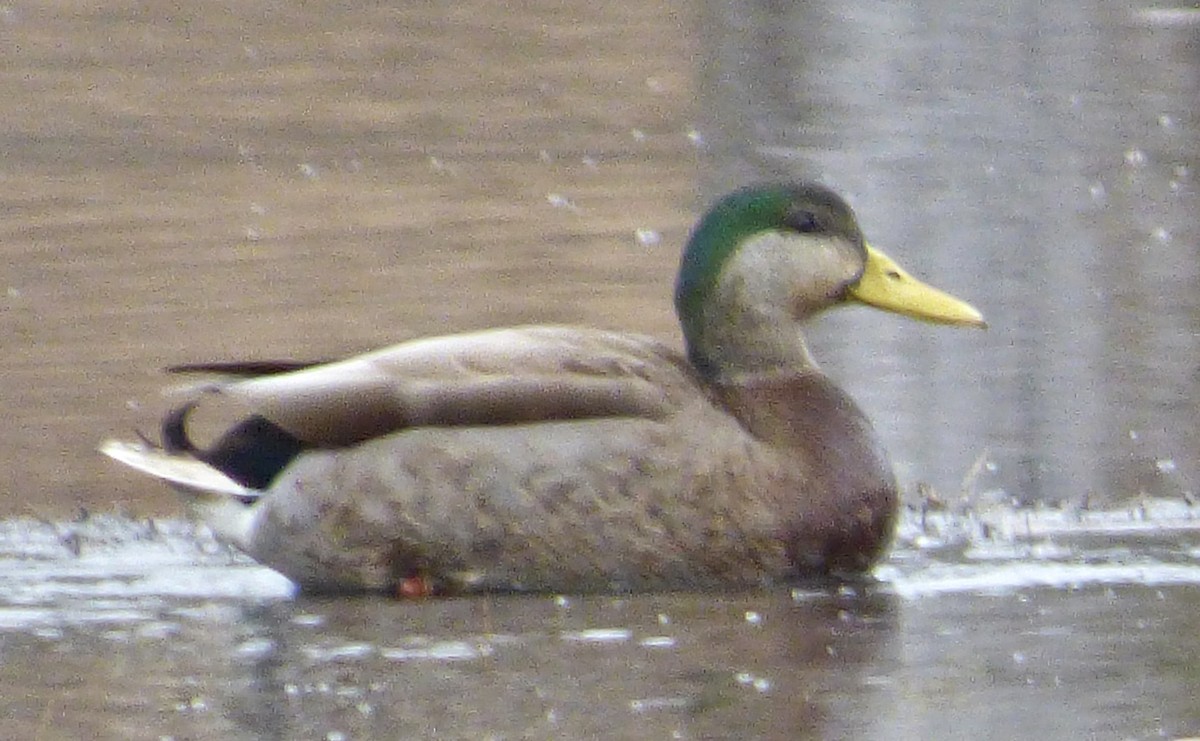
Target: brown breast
{"points": [[840, 499]]}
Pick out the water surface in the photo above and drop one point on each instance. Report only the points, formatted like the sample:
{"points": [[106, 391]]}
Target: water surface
{"points": [[255, 180], [1039, 158], [999, 624]]}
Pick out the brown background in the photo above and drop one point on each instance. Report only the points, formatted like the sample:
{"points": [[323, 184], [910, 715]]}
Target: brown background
{"points": [[259, 180]]}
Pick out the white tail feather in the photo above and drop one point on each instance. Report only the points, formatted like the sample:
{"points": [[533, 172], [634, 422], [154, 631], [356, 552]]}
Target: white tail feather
{"points": [[214, 497], [180, 470]]}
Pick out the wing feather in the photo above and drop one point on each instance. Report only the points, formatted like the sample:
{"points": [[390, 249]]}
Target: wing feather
{"points": [[505, 376]]}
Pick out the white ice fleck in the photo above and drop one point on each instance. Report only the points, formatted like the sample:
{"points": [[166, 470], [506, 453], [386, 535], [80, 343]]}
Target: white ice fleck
{"points": [[647, 237]]}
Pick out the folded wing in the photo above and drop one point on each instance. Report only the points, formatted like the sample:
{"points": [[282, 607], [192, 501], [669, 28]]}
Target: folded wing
{"points": [[506, 376]]}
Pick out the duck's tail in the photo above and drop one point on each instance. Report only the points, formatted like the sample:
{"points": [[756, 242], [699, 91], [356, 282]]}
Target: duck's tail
{"points": [[215, 498]]}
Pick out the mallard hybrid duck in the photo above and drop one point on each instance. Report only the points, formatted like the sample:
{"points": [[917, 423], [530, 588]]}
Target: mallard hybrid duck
{"points": [[565, 459]]}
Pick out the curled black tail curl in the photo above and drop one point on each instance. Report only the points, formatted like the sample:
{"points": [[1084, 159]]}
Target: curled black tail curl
{"points": [[252, 452]]}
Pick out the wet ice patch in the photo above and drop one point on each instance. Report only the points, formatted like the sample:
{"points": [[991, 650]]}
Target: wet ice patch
{"points": [[113, 570], [117, 574], [452, 650], [1002, 549], [1015, 576], [598, 635]]}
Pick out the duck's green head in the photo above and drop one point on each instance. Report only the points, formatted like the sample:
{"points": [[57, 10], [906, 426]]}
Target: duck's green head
{"points": [[767, 256]]}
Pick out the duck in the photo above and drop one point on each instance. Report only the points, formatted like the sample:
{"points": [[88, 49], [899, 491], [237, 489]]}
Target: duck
{"points": [[566, 459]]}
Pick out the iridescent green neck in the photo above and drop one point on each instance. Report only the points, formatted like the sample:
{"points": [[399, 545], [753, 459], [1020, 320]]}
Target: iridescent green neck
{"points": [[761, 260], [709, 327], [746, 322]]}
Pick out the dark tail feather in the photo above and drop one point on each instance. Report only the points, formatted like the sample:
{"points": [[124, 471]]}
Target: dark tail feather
{"points": [[247, 368], [174, 430], [252, 452]]}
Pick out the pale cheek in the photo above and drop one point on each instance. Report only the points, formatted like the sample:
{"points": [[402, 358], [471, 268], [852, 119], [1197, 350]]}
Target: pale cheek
{"points": [[815, 296]]}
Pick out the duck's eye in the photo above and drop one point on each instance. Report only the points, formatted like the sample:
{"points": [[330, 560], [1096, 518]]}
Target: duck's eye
{"points": [[804, 222]]}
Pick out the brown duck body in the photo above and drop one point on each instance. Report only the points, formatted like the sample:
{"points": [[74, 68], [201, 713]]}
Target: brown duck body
{"points": [[662, 481], [569, 459]]}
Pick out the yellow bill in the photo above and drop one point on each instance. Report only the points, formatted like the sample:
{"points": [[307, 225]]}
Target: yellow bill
{"points": [[885, 285]]}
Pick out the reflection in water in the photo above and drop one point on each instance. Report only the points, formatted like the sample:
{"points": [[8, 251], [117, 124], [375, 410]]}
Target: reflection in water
{"points": [[1039, 159], [563, 667], [981, 620], [1095, 656]]}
